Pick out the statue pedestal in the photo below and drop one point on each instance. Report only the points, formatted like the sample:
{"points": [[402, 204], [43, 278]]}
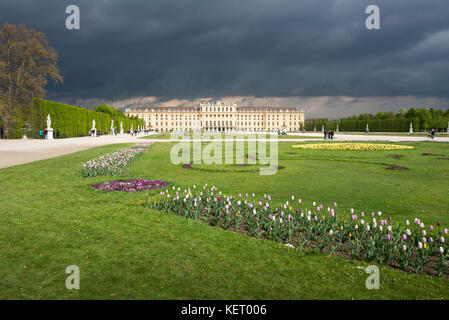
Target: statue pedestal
{"points": [[24, 137], [121, 131], [111, 131], [94, 132], [49, 134]]}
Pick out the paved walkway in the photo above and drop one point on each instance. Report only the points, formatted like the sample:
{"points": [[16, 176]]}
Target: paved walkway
{"points": [[15, 152]]}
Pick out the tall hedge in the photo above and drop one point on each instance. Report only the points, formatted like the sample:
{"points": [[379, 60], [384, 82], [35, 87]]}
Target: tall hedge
{"points": [[380, 125], [75, 121]]}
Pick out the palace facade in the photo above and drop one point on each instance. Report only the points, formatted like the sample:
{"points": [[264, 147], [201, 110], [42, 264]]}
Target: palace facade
{"points": [[219, 116]]}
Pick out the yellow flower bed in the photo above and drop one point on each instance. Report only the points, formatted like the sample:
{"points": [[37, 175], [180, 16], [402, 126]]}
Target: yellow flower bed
{"points": [[351, 146]]}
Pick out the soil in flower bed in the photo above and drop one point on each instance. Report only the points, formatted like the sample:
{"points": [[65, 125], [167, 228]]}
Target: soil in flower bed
{"points": [[396, 168], [130, 185], [435, 155], [426, 154], [187, 166], [342, 250]]}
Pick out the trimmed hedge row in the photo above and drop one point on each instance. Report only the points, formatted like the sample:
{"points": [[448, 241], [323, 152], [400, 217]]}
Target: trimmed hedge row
{"points": [[75, 121], [385, 125]]}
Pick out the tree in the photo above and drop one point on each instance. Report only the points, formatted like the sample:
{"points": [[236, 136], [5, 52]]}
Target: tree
{"points": [[380, 115], [104, 108], [411, 113], [389, 115], [26, 62], [401, 113]]}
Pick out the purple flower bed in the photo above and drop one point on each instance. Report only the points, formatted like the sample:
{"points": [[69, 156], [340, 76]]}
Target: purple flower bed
{"points": [[130, 185]]}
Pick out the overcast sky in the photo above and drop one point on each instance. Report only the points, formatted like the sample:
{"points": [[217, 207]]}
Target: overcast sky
{"points": [[316, 54]]}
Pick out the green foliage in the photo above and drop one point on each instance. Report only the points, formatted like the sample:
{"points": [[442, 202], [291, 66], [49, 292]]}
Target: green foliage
{"points": [[380, 125], [74, 121], [104, 108], [422, 119]]}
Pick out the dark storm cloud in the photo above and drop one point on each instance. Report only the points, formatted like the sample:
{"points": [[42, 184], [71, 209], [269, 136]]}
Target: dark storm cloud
{"points": [[194, 48]]}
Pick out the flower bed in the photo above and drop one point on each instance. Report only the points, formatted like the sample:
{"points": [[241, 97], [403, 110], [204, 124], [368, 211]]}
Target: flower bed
{"points": [[111, 164], [352, 146], [368, 237], [130, 185]]}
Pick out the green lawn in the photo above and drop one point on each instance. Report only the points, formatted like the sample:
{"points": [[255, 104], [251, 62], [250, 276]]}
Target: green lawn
{"points": [[51, 218]]}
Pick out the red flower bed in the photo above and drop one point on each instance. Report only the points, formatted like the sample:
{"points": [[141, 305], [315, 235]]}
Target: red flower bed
{"points": [[130, 185]]}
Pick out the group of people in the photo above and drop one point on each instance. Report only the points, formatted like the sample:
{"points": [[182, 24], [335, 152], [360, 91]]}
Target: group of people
{"points": [[432, 133], [97, 133], [43, 134], [329, 134]]}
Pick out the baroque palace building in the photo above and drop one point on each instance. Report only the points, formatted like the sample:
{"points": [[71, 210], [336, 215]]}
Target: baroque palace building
{"points": [[219, 116]]}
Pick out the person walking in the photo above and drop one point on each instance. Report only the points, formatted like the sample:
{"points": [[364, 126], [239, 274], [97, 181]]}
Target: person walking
{"points": [[41, 134], [432, 133]]}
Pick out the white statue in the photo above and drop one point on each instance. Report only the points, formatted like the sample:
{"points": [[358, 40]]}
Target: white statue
{"points": [[48, 122], [322, 128], [121, 127], [411, 128], [112, 124], [93, 130], [49, 135], [337, 127]]}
